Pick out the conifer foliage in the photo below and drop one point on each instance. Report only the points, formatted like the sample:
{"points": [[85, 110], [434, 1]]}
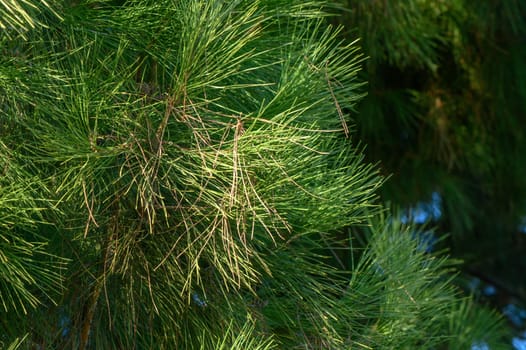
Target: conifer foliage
{"points": [[173, 175]]}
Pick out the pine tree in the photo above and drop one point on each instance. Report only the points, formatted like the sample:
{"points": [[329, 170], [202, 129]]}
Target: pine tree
{"points": [[177, 174]]}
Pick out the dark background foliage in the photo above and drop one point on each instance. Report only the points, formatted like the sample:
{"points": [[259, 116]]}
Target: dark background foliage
{"points": [[445, 114]]}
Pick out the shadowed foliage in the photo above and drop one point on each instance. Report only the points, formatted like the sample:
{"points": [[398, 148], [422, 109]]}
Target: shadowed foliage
{"points": [[445, 115]]}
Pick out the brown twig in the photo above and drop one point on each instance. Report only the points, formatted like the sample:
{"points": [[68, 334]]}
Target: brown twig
{"points": [[338, 108], [97, 288]]}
